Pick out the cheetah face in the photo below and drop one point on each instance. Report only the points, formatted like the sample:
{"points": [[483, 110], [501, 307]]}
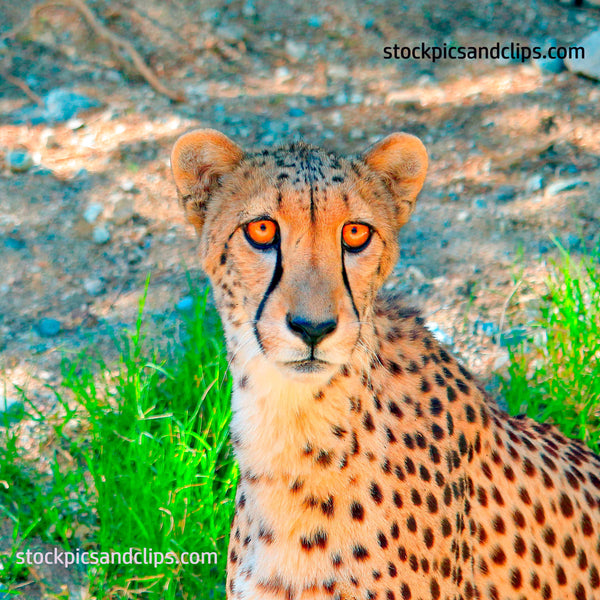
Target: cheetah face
{"points": [[297, 242]]}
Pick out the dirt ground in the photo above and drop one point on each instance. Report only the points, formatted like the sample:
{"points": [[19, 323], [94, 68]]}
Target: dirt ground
{"points": [[499, 133]]}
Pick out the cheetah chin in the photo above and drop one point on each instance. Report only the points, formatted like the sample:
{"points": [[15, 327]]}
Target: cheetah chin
{"points": [[372, 464]]}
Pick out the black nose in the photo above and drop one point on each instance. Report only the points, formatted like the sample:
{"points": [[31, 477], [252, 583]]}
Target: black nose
{"points": [[312, 333]]}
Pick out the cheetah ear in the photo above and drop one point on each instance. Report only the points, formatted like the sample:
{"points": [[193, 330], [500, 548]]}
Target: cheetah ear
{"points": [[199, 158], [401, 160]]}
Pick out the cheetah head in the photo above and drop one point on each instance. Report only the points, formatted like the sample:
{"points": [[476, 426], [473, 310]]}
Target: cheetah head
{"points": [[297, 241]]}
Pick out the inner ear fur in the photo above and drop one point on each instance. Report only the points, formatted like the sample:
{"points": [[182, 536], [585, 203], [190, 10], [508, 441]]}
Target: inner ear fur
{"points": [[199, 158], [401, 160]]}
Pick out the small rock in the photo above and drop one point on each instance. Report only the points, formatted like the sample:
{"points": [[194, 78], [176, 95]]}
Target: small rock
{"points": [[439, 334], [249, 10], [60, 105], [19, 161], [564, 185], [502, 359], [407, 98], [356, 134], [47, 327], [14, 243], [212, 16], [480, 203], [93, 286], [296, 112], [340, 99], [296, 50], [590, 64], [92, 212], [123, 210], [231, 33], [505, 193], [487, 328], [513, 337], [534, 184], [128, 185], [571, 241], [550, 65], [75, 124], [315, 21], [463, 216], [100, 235], [185, 305], [337, 118]]}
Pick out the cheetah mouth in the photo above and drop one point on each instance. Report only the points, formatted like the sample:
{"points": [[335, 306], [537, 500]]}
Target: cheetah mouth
{"points": [[307, 365]]}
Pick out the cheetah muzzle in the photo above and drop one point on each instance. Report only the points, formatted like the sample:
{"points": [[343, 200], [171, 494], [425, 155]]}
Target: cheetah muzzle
{"points": [[372, 465]]}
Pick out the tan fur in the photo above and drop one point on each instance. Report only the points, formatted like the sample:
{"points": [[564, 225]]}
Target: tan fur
{"points": [[383, 471]]}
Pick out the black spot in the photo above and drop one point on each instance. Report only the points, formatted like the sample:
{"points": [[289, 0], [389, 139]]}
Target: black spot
{"points": [[435, 407], [376, 493], [368, 422], [450, 393], [395, 409], [437, 432], [327, 507], [360, 552], [357, 511]]}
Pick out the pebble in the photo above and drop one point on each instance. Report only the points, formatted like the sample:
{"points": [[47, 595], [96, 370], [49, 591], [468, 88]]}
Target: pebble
{"points": [[564, 185], [14, 243], [212, 16], [93, 286], [19, 161], [315, 21], [296, 112], [249, 10], [231, 33], [356, 134], [185, 305], [92, 212], [590, 64], [534, 184], [47, 327], [128, 185], [123, 210], [480, 203], [439, 334], [505, 193], [513, 337], [550, 65], [487, 328], [100, 235], [296, 50]]}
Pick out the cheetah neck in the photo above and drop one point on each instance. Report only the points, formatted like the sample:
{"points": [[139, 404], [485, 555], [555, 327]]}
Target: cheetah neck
{"points": [[407, 387]]}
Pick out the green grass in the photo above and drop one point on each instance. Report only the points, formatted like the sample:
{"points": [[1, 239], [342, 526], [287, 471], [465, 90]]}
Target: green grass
{"points": [[555, 374], [149, 465]]}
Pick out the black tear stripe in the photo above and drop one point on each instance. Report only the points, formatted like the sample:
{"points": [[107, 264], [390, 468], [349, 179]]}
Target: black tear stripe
{"points": [[349, 290], [312, 203], [277, 273]]}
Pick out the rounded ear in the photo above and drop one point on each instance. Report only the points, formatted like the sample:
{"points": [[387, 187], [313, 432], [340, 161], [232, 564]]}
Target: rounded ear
{"points": [[401, 160], [199, 158]]}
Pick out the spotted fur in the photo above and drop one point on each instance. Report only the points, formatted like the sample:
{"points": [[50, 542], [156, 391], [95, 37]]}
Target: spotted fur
{"points": [[372, 464]]}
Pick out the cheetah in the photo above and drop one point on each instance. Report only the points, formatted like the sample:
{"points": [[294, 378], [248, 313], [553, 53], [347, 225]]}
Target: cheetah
{"points": [[372, 464]]}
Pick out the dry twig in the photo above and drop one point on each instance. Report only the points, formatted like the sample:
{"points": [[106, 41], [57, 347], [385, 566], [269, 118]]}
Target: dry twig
{"points": [[119, 45], [22, 86]]}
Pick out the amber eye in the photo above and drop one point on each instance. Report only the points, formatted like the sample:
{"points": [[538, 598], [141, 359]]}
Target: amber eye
{"points": [[262, 233], [356, 236]]}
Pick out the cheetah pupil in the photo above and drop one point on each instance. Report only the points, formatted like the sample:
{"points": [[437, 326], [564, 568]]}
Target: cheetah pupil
{"points": [[372, 464]]}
